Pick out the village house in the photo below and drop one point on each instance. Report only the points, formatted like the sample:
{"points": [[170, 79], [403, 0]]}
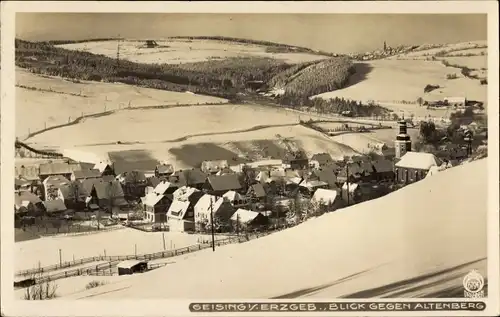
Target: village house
{"points": [[81, 175], [326, 199], [351, 172], [29, 173], [236, 199], [27, 204], [308, 187], [257, 193], [324, 175], [245, 220], [350, 193], [60, 168], [54, 206], [180, 216], [165, 188], [367, 172], [384, 170], [213, 167], [74, 194], [413, 166], [320, 160], [195, 178], [104, 168], [133, 183], [106, 195], [23, 184], [177, 180], [295, 162], [209, 205], [218, 185], [156, 207], [164, 170], [51, 186]]}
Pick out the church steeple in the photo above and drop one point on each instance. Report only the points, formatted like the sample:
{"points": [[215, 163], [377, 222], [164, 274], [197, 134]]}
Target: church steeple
{"points": [[403, 140]]}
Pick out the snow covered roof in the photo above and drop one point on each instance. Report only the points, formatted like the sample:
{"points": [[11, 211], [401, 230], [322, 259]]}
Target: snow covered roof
{"points": [[101, 166], [244, 215], [203, 204], [88, 173], [213, 166], [21, 196], [178, 208], [162, 187], [352, 187], [56, 180], [418, 160], [327, 196], [128, 264], [54, 205], [183, 193], [232, 195], [313, 183], [152, 199], [165, 169]]}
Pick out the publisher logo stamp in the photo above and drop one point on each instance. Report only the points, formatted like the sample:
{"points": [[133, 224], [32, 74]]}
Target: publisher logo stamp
{"points": [[473, 284]]}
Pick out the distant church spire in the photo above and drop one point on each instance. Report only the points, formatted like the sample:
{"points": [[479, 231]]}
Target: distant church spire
{"points": [[385, 46]]}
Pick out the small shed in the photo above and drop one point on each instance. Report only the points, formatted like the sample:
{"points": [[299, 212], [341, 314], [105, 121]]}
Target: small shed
{"points": [[132, 266]]}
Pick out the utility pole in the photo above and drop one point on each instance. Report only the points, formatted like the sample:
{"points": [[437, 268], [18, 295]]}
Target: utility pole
{"points": [[238, 224], [347, 178], [60, 258], [163, 235], [212, 223]]}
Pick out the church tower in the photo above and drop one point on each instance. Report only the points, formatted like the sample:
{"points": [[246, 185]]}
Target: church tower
{"points": [[403, 141]]}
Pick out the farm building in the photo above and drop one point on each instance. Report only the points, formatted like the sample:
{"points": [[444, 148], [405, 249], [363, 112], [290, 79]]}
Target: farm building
{"points": [[352, 173], [219, 185], [212, 167], [320, 160], [244, 219], [195, 177], [74, 195], [60, 168], [133, 183], [326, 199], [105, 195], [324, 175], [257, 192], [132, 266], [164, 170], [414, 166], [456, 101], [295, 162], [26, 203], [85, 174]]}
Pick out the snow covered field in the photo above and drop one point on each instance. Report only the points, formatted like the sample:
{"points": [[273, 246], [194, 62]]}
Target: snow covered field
{"points": [[409, 234], [178, 51], [28, 254], [57, 101]]}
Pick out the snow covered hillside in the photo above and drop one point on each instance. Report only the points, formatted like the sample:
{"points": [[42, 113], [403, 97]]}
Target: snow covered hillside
{"points": [[427, 235]]}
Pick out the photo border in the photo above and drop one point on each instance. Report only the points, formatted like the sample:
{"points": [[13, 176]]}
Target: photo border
{"points": [[12, 307]]}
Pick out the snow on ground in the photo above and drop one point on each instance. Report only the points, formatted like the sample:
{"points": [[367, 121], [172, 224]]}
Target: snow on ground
{"points": [[472, 62], [58, 101], [178, 51], [28, 254], [391, 81], [448, 49], [471, 51], [373, 244]]}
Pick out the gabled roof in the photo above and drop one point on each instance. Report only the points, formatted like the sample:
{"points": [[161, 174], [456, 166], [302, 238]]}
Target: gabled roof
{"points": [[313, 184], [418, 160], [194, 176], [21, 196], [165, 169], [107, 178], [322, 158], [56, 181], [128, 264], [244, 215], [383, 166], [21, 182], [184, 192], [29, 172], [352, 187], [258, 190], [55, 169], [262, 176], [177, 179], [232, 195], [326, 175], [101, 166], [162, 187], [54, 205], [106, 190], [141, 165], [203, 205], [224, 182], [152, 199], [132, 177], [88, 184], [366, 167], [91, 173], [68, 191], [178, 208], [325, 196]]}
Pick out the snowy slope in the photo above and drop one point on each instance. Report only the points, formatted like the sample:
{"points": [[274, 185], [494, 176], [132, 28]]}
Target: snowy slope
{"points": [[427, 227]]}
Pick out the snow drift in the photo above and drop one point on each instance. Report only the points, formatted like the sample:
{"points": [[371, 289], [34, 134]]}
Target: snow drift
{"points": [[419, 241]]}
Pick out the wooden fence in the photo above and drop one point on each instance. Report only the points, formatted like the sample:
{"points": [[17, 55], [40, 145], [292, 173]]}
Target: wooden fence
{"points": [[114, 260]]}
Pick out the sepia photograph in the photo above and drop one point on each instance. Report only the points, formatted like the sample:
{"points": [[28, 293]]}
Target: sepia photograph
{"points": [[307, 161]]}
